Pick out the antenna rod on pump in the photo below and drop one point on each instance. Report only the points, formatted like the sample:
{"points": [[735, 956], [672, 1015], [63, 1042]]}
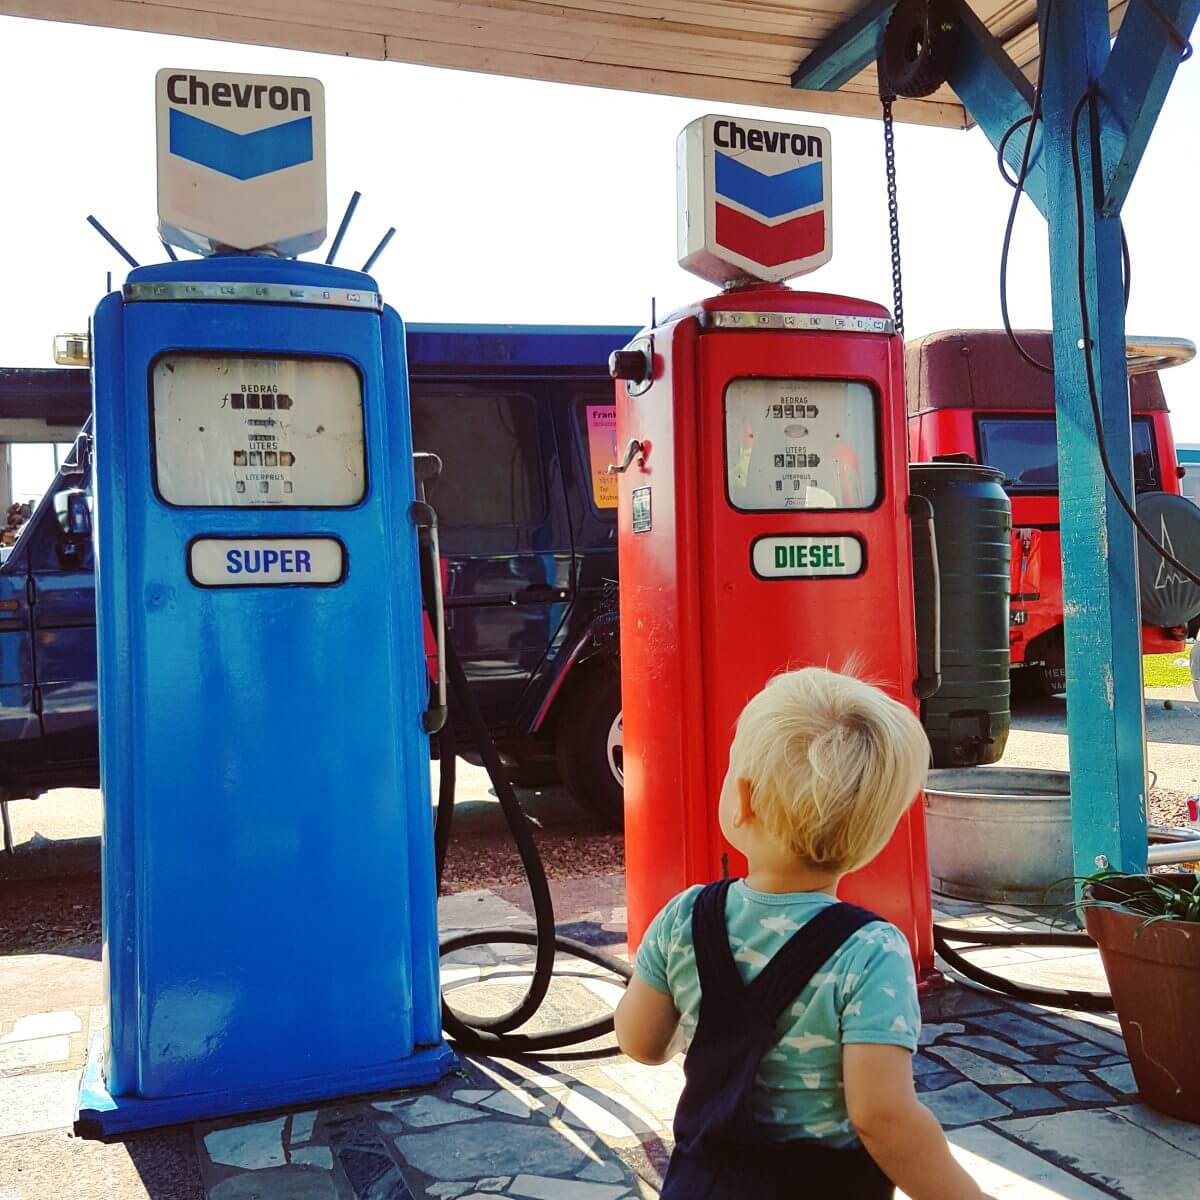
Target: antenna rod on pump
{"points": [[341, 230], [383, 241], [112, 241], [170, 251]]}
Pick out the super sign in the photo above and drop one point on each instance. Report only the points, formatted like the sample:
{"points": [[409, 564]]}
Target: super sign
{"points": [[754, 199]]}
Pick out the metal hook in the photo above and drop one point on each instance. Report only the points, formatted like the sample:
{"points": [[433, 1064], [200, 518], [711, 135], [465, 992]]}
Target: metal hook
{"points": [[635, 449]]}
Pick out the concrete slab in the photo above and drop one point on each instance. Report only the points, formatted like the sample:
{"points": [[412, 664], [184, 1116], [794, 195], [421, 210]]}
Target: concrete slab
{"points": [[35, 983], [147, 1166], [1038, 738], [33, 1103], [1114, 1152]]}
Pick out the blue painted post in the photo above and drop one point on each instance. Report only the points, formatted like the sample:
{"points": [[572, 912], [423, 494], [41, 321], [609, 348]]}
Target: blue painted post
{"points": [[1105, 713]]}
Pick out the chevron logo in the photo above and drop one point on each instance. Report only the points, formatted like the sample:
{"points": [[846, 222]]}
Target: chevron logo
{"points": [[770, 219], [240, 155]]}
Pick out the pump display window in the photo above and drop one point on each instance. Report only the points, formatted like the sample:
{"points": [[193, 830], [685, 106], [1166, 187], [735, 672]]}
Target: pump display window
{"points": [[801, 443], [240, 431]]}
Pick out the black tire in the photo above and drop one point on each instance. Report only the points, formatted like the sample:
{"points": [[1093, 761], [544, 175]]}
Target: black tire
{"points": [[584, 727], [919, 45]]}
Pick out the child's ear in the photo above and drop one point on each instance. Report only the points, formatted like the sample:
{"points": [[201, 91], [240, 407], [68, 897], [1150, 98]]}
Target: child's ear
{"points": [[745, 803]]}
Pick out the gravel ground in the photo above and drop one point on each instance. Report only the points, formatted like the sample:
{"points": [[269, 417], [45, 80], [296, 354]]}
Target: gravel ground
{"points": [[46, 914], [1168, 808], [492, 861]]}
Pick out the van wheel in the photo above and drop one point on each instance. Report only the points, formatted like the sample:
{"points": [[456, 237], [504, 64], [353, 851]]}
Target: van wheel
{"points": [[591, 746]]}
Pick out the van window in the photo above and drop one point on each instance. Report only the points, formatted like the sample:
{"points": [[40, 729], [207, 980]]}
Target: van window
{"points": [[1026, 450], [487, 439]]}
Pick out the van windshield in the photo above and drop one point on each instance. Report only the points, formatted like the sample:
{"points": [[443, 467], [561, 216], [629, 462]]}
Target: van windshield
{"points": [[1026, 450]]}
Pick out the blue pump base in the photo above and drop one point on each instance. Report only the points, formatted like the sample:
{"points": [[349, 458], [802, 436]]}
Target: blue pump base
{"points": [[100, 1115]]}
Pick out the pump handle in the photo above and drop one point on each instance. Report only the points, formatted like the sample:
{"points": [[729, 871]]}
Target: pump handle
{"points": [[426, 467], [929, 675]]}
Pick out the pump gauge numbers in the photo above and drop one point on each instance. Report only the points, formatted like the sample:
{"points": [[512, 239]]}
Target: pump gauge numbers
{"points": [[800, 443], [234, 432]]}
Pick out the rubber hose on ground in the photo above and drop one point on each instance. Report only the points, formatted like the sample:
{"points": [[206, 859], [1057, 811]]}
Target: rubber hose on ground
{"points": [[494, 1035], [1083, 1001]]}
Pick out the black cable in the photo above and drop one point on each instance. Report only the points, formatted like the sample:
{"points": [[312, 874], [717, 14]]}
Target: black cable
{"points": [[494, 1035], [1080, 1000], [1088, 99], [1185, 47], [1018, 185]]}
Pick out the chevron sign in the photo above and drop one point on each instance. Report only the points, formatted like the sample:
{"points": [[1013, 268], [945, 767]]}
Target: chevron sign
{"points": [[241, 161], [754, 199]]}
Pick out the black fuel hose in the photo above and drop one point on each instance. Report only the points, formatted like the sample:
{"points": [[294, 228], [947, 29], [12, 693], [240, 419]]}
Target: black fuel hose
{"points": [[1081, 1000], [495, 1036]]}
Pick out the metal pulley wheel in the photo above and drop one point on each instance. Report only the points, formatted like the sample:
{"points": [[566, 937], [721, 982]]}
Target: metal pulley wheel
{"points": [[919, 45]]}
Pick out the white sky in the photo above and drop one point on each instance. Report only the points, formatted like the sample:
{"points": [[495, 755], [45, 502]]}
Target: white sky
{"points": [[518, 201]]}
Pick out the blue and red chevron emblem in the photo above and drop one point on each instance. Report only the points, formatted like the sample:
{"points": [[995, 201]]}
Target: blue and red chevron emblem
{"points": [[769, 219]]}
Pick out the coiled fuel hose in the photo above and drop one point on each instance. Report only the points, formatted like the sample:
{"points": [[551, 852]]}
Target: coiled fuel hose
{"points": [[498, 1036]]}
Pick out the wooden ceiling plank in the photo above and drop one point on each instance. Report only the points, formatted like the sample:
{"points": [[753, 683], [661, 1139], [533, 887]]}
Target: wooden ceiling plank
{"points": [[190, 22], [664, 82]]}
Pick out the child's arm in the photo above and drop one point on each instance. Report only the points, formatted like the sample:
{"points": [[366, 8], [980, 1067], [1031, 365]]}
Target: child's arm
{"points": [[647, 1021], [899, 1132]]}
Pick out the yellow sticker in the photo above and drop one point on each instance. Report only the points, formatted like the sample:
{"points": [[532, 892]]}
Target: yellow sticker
{"points": [[602, 452]]}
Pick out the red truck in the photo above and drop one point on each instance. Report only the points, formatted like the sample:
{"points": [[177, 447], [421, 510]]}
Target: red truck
{"points": [[971, 395]]}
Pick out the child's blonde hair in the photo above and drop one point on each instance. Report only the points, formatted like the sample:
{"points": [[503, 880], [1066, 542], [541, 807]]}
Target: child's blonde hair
{"points": [[832, 764]]}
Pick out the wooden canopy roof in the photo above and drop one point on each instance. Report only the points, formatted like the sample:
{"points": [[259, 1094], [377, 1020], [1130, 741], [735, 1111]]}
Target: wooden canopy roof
{"points": [[725, 51]]}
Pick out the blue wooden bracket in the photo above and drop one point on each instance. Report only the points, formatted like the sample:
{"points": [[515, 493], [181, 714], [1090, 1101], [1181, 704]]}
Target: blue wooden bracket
{"points": [[847, 51], [1134, 85], [995, 95]]}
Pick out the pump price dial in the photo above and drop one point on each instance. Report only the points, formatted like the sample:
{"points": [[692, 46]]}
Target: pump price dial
{"points": [[249, 431], [800, 443]]}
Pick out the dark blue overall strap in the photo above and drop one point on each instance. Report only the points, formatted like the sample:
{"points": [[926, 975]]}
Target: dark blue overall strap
{"points": [[720, 982], [792, 967]]}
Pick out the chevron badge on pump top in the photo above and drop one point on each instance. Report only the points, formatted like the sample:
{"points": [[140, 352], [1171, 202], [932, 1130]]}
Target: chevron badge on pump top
{"points": [[754, 199], [241, 161]]}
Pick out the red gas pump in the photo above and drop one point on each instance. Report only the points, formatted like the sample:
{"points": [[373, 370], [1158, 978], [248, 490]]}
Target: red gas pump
{"points": [[763, 526]]}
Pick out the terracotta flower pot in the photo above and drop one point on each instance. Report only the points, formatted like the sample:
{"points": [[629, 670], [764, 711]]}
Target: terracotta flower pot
{"points": [[1155, 982]]}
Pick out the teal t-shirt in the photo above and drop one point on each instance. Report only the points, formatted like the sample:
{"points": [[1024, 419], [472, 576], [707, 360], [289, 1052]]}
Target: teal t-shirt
{"points": [[866, 993]]}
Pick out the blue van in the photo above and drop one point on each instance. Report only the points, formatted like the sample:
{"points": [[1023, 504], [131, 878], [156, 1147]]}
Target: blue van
{"points": [[522, 418]]}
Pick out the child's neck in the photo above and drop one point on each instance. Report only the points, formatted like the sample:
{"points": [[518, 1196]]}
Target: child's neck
{"points": [[790, 875]]}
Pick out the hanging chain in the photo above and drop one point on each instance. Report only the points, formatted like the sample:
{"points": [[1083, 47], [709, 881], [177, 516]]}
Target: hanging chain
{"points": [[889, 154]]}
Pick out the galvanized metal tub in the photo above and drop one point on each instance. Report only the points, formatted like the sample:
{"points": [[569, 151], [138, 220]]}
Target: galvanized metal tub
{"points": [[1000, 834]]}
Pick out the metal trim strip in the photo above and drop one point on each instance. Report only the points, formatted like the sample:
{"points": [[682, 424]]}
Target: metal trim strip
{"points": [[257, 293], [818, 322]]}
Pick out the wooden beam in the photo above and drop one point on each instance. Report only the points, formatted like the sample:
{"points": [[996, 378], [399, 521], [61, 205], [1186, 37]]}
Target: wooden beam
{"points": [[995, 95], [1105, 707], [851, 48], [1134, 85]]}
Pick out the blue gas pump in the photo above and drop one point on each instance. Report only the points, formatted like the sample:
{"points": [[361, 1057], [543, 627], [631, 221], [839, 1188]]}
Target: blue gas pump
{"points": [[269, 901]]}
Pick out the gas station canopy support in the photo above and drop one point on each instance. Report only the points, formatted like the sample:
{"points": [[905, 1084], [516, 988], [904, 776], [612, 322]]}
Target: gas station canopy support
{"points": [[1101, 98]]}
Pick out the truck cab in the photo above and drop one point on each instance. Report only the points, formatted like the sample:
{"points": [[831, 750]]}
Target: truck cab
{"points": [[972, 396]]}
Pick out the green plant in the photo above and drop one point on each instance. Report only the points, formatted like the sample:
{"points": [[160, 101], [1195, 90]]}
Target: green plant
{"points": [[1154, 897]]}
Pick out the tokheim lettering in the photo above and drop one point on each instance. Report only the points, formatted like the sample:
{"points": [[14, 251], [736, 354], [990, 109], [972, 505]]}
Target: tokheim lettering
{"points": [[729, 135], [188, 90]]}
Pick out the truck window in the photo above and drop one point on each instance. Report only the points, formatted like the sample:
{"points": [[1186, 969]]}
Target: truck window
{"points": [[487, 439], [1026, 450]]}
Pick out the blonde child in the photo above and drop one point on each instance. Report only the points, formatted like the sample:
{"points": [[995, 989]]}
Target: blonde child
{"points": [[801, 1012]]}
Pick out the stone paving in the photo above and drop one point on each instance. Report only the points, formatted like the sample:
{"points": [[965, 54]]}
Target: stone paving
{"points": [[1038, 1103]]}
